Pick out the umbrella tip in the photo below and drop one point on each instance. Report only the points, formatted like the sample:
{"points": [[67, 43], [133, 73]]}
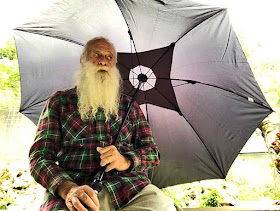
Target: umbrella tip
{"points": [[142, 77]]}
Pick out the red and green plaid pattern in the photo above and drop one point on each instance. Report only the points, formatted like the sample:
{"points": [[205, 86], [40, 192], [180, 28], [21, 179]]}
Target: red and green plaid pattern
{"points": [[65, 149]]}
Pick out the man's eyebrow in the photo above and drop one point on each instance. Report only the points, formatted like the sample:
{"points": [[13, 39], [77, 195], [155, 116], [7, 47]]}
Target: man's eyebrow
{"points": [[97, 49]]}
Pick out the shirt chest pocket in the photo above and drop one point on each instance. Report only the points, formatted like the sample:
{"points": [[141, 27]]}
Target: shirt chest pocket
{"points": [[76, 132], [126, 131]]}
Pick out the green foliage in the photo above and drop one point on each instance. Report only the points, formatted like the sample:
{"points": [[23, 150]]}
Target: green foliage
{"points": [[271, 192], [182, 195], [211, 200], [6, 196], [266, 127], [247, 192], [267, 73], [6, 199], [9, 77], [18, 190], [9, 51]]}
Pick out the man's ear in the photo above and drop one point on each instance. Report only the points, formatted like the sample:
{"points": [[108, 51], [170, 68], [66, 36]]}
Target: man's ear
{"points": [[81, 58]]}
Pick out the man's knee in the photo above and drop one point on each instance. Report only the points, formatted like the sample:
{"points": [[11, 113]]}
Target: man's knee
{"points": [[151, 198]]}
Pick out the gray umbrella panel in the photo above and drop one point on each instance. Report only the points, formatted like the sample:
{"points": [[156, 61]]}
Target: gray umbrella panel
{"points": [[79, 21], [211, 84], [165, 22], [46, 65], [213, 133]]}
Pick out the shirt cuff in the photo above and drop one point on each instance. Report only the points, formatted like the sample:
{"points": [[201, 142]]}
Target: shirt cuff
{"points": [[56, 181], [135, 158]]}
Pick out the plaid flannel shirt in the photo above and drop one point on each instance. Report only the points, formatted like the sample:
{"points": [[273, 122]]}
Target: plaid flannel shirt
{"points": [[65, 149]]}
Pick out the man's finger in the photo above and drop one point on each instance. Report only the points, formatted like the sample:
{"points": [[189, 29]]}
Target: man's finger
{"points": [[86, 200], [111, 166], [77, 204], [91, 193], [107, 160], [105, 149], [70, 206], [107, 154]]}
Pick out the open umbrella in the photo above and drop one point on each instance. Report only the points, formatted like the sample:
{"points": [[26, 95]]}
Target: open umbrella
{"points": [[200, 96]]}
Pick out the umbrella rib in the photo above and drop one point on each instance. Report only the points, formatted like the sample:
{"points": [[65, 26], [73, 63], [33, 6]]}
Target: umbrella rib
{"points": [[131, 60], [172, 44], [181, 84], [33, 105], [175, 108], [205, 147], [127, 68], [137, 56], [218, 87], [150, 84], [133, 88], [131, 38], [127, 88], [218, 12], [146, 106], [138, 98], [52, 36], [223, 175]]}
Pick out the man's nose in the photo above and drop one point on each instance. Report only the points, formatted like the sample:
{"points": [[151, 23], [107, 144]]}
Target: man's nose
{"points": [[102, 61]]}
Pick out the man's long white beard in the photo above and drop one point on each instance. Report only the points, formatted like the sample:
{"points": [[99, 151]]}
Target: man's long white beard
{"points": [[96, 89]]}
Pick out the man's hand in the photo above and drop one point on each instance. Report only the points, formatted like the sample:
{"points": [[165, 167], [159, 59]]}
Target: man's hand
{"points": [[77, 196], [110, 155]]}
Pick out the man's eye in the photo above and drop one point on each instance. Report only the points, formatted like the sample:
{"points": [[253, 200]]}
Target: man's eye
{"points": [[96, 54], [109, 57]]}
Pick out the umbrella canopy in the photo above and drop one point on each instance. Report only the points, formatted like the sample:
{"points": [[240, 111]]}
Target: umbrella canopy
{"points": [[200, 97]]}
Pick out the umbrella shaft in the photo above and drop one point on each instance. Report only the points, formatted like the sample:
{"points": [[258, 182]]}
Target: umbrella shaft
{"points": [[102, 171]]}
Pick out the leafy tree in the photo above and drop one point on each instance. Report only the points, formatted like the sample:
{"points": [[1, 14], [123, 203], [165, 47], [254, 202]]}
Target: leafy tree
{"points": [[9, 77], [9, 51], [267, 74], [212, 200]]}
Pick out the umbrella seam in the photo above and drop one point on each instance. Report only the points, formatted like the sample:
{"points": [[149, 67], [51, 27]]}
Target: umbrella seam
{"points": [[72, 14], [204, 145], [155, 23], [227, 44], [206, 6]]}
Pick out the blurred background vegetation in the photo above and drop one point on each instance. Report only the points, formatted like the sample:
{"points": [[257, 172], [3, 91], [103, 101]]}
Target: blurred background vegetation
{"points": [[9, 77]]}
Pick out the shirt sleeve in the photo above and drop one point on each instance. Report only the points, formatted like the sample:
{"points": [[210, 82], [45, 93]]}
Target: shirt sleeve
{"points": [[43, 152], [146, 154]]}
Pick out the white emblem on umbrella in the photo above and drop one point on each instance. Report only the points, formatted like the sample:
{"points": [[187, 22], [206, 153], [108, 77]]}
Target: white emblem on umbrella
{"points": [[143, 71]]}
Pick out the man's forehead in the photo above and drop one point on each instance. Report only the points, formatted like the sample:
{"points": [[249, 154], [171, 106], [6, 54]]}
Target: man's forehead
{"points": [[101, 45]]}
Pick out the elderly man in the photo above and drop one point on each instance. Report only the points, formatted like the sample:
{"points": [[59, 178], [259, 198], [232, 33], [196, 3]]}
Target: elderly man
{"points": [[76, 137]]}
